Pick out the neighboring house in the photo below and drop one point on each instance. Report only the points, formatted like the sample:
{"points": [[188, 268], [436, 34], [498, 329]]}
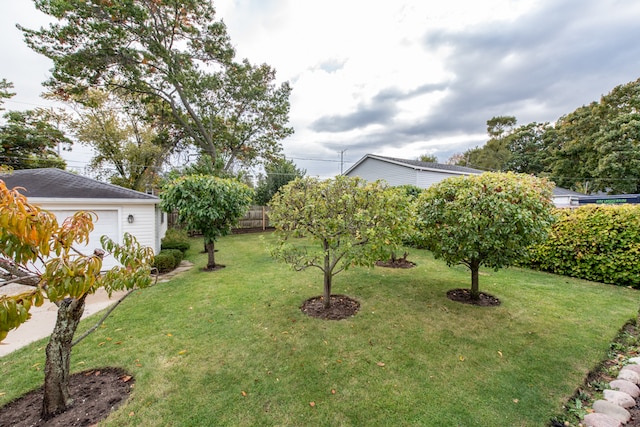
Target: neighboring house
{"points": [[403, 172], [119, 210], [424, 174]]}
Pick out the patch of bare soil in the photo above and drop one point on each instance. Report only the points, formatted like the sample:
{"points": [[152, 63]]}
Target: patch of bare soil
{"points": [[96, 393], [342, 307], [464, 296], [397, 263]]}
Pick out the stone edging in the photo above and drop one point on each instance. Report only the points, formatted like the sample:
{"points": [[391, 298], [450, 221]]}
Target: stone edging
{"points": [[612, 410]]}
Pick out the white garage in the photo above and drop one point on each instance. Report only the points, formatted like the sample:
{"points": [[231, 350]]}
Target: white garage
{"points": [[119, 210]]}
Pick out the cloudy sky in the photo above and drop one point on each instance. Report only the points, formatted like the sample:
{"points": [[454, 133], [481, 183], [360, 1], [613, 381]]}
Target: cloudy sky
{"points": [[404, 77]]}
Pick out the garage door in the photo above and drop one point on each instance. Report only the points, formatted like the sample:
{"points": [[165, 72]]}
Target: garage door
{"points": [[105, 225]]}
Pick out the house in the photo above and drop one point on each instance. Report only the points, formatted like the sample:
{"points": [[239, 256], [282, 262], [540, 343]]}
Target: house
{"points": [[424, 174], [119, 210], [403, 172]]}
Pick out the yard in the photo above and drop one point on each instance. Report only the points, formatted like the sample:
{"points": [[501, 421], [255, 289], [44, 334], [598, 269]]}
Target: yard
{"points": [[232, 347]]}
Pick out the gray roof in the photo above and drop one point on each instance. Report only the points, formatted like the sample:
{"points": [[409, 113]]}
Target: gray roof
{"points": [[417, 164], [57, 183]]}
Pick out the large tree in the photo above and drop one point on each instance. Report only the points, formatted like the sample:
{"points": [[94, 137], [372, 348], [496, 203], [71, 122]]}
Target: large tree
{"points": [[345, 220], [207, 204], [5, 86], [37, 251], [278, 174], [173, 51], [32, 139], [484, 220], [131, 141]]}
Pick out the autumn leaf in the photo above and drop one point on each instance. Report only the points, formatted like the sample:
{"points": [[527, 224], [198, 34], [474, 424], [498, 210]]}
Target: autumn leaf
{"points": [[182, 351], [126, 378], [244, 393], [169, 335], [333, 391], [461, 358], [515, 400], [312, 404], [500, 353], [381, 364]]}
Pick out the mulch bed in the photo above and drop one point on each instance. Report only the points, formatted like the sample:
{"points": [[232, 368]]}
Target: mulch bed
{"points": [[464, 296], [397, 263], [96, 393], [342, 307]]}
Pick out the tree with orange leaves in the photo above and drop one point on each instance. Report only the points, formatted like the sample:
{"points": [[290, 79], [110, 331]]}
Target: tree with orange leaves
{"points": [[37, 251]]}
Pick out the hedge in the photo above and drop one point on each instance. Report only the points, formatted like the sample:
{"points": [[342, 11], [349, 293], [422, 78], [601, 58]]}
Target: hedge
{"points": [[598, 243]]}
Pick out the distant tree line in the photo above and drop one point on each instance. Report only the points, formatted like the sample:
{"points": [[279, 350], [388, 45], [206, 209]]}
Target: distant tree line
{"points": [[596, 148]]}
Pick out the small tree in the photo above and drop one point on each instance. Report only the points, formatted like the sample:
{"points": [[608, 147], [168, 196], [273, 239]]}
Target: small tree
{"points": [[207, 204], [38, 252], [489, 219], [349, 222], [279, 173]]}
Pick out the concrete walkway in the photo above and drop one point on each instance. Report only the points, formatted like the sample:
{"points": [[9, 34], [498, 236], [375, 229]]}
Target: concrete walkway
{"points": [[43, 318]]}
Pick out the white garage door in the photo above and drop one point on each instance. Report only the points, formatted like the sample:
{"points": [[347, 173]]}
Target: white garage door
{"points": [[105, 225]]}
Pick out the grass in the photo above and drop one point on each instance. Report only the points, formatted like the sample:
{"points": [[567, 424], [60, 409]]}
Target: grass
{"points": [[232, 348]]}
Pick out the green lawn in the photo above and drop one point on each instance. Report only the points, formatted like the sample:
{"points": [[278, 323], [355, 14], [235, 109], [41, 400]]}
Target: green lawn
{"points": [[233, 348]]}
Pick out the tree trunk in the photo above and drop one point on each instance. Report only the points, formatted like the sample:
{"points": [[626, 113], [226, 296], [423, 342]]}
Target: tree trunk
{"points": [[327, 277], [58, 355], [211, 251], [475, 288]]}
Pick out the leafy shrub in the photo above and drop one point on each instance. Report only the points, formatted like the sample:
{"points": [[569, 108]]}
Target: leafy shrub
{"points": [[599, 243], [164, 262], [176, 239], [177, 254]]}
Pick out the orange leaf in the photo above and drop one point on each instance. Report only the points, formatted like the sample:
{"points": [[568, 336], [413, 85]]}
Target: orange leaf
{"points": [[333, 391], [380, 364], [244, 393], [126, 378], [312, 404]]}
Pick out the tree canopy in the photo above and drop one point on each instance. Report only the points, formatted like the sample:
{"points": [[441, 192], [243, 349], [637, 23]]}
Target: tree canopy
{"points": [[595, 148], [208, 204], [484, 220], [173, 52], [345, 220], [278, 173]]}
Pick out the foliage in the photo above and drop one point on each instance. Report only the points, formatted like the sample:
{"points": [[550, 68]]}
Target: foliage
{"points": [[193, 347], [207, 204], [347, 222], [175, 238], [30, 139], [488, 219], [279, 173], [173, 52], [428, 158], [131, 141], [167, 260], [38, 252], [599, 243], [5, 86]]}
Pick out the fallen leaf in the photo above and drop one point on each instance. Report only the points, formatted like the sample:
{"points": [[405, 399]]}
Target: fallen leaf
{"points": [[244, 393], [2, 393], [312, 404], [101, 344], [380, 364], [333, 391], [461, 358], [515, 400], [500, 353], [169, 335], [35, 365], [131, 414], [182, 351], [109, 338], [97, 373], [126, 378], [118, 342]]}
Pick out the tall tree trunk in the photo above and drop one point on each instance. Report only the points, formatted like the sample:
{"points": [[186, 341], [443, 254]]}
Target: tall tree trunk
{"points": [[211, 251], [475, 272], [327, 276], [58, 355]]}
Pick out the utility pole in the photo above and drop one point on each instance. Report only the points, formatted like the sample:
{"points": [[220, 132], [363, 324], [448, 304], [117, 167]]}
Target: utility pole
{"points": [[342, 159]]}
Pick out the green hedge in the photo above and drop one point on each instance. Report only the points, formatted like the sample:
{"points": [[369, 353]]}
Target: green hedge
{"points": [[598, 243], [176, 239], [164, 262]]}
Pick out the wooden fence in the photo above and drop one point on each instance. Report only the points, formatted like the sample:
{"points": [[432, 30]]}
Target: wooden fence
{"points": [[256, 219]]}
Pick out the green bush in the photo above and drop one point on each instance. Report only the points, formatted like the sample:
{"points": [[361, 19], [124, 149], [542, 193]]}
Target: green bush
{"points": [[599, 243], [164, 262], [176, 239], [177, 254]]}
